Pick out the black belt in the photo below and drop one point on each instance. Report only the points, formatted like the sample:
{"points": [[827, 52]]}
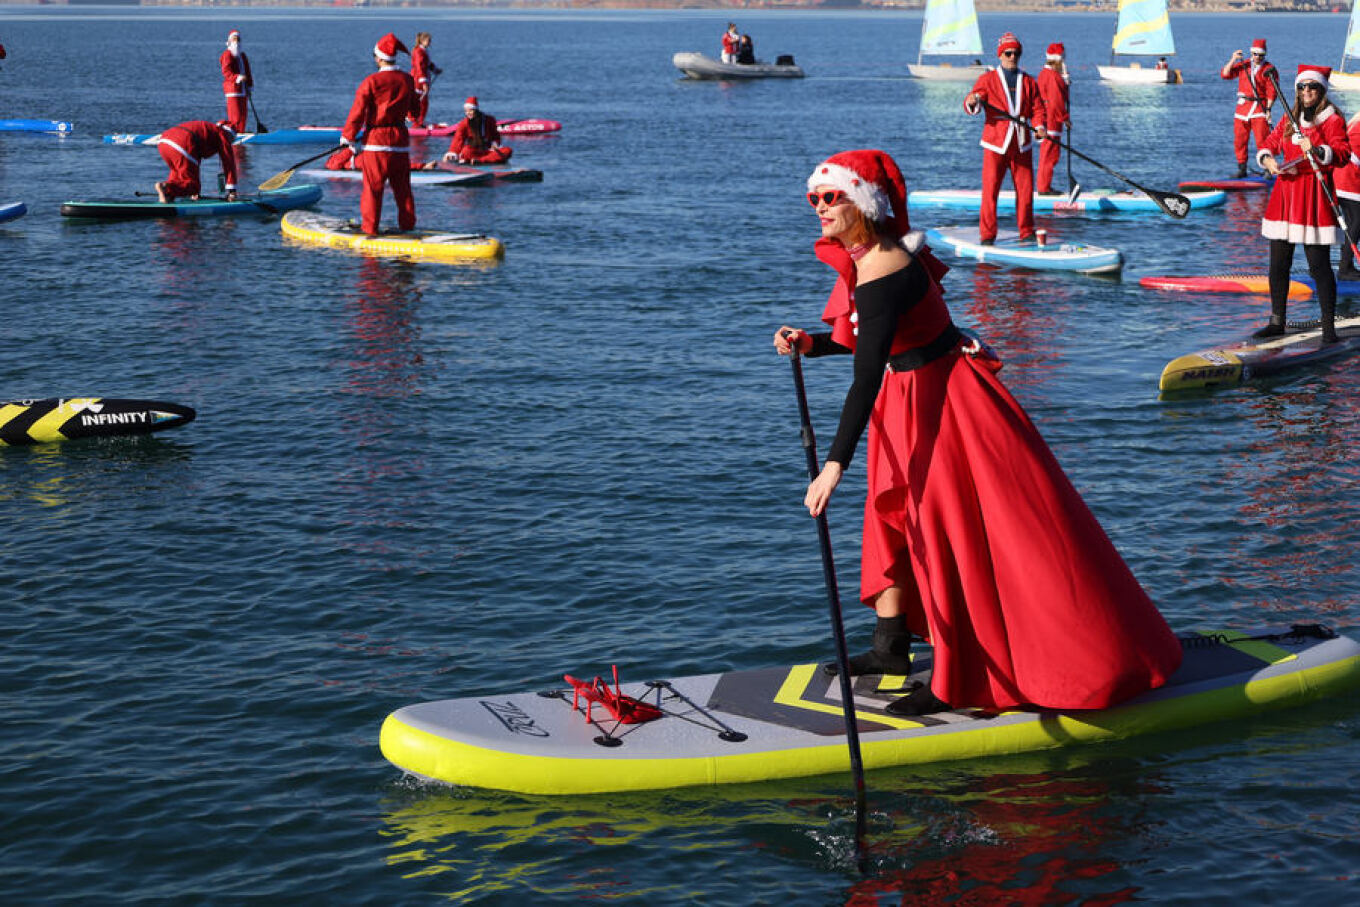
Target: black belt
{"points": [[918, 356]]}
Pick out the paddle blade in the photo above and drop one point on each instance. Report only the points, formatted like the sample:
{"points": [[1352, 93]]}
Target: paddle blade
{"points": [[278, 180], [1172, 203], [1073, 193]]}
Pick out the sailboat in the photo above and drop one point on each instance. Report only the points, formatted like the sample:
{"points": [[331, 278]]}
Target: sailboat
{"points": [[1340, 79], [949, 28], [1144, 29]]}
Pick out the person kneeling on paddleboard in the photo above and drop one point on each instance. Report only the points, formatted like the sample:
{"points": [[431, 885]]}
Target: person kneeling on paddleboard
{"points": [[382, 104], [974, 538], [476, 139], [1300, 209], [184, 147], [1005, 143]]}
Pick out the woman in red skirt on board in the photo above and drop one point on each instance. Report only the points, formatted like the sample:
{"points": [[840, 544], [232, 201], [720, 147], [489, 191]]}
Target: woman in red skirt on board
{"points": [[974, 538], [1299, 210]]}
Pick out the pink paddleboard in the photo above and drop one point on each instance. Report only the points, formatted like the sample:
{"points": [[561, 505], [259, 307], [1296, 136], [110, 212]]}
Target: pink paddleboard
{"points": [[1253, 284]]}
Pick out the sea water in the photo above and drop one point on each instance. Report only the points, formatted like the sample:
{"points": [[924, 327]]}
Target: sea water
{"points": [[415, 481]]}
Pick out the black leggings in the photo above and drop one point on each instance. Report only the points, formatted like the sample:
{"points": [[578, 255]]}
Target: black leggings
{"points": [[1319, 266]]}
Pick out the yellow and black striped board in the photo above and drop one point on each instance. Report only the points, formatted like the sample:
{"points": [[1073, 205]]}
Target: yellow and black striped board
{"points": [[68, 418], [1235, 363], [761, 725]]}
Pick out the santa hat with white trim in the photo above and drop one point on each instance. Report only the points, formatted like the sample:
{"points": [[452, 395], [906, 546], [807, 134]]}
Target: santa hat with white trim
{"points": [[1258, 46], [388, 47], [1055, 52], [1309, 72], [233, 35], [871, 180]]}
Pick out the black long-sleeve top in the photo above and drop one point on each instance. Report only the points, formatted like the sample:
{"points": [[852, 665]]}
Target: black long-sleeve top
{"points": [[880, 304]]}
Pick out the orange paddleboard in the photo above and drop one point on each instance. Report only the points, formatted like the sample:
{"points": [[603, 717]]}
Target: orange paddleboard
{"points": [[1255, 284]]}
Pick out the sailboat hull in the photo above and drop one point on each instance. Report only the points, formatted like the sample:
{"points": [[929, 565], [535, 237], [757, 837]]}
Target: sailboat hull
{"points": [[1344, 81], [1139, 75], [944, 72]]}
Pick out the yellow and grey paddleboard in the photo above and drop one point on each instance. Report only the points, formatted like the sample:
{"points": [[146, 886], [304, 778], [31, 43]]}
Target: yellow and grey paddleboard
{"points": [[1235, 363], [320, 229]]}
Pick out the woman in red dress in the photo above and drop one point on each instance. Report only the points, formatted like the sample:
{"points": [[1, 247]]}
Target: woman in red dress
{"points": [[974, 538], [1299, 210]]}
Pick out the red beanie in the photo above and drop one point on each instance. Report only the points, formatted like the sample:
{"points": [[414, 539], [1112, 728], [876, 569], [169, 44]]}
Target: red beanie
{"points": [[1007, 42]]}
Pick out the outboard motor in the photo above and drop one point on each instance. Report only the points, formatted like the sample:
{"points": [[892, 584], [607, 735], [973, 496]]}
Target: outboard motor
{"points": [[784, 60]]}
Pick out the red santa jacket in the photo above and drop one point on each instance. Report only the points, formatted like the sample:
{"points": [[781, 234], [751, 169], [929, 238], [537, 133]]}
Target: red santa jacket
{"points": [[420, 66], [382, 102], [199, 139], [998, 132], [236, 80], [730, 42], [474, 137], [1053, 88], [1255, 92], [1297, 197], [1347, 175]]}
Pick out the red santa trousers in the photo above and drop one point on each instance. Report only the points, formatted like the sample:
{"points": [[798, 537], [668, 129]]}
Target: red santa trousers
{"points": [[1049, 154], [236, 113], [1007, 572], [994, 167], [183, 180], [1257, 128], [394, 169], [497, 155]]}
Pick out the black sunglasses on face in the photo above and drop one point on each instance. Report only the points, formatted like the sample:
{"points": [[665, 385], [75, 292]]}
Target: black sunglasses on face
{"points": [[1010, 53]]}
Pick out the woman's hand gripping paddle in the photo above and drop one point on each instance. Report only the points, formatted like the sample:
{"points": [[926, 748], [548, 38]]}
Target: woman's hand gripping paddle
{"points": [[834, 603], [279, 180], [1172, 203]]}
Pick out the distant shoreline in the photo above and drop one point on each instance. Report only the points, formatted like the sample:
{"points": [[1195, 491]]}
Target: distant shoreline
{"points": [[989, 6]]}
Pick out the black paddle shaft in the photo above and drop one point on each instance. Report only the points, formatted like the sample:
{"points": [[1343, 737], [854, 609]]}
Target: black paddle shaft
{"points": [[259, 123], [1317, 171], [1172, 203], [834, 605]]}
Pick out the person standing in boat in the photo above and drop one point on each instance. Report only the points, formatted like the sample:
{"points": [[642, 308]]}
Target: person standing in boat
{"points": [[185, 147], [476, 139], [1021, 594], [746, 51], [1054, 87], [1255, 96], [382, 104], [731, 41], [423, 72], [236, 80], [1298, 211], [1347, 177], [1005, 143]]}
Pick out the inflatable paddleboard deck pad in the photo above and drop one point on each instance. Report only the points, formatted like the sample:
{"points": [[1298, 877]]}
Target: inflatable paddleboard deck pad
{"points": [[760, 725], [274, 202], [319, 229], [1088, 202], [1232, 364], [68, 418], [1009, 249]]}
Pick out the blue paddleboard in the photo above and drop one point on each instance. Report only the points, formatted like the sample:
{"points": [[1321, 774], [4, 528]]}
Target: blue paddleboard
{"points": [[1010, 250], [1089, 202], [57, 126]]}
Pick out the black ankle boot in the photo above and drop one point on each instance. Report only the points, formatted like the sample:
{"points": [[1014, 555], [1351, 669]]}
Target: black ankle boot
{"points": [[891, 652], [1241, 169], [920, 701], [1273, 329]]}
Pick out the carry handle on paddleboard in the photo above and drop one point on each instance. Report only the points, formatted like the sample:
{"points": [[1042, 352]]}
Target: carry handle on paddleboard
{"points": [[1317, 171], [1172, 203], [834, 604]]}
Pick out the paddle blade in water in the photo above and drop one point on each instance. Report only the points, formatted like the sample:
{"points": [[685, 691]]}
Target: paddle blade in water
{"points": [[277, 181], [1172, 203]]}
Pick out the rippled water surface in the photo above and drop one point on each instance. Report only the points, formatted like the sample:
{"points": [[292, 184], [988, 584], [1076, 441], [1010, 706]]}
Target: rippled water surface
{"points": [[413, 481]]}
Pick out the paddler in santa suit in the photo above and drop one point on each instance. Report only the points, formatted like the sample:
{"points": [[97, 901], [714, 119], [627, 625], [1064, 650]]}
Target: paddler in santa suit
{"points": [[236, 80], [382, 103], [1054, 82], [476, 139], [423, 72], [1299, 211], [1005, 143], [347, 159], [1255, 95], [183, 149]]}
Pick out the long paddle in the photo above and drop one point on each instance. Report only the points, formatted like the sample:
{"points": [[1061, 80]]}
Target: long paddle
{"points": [[1317, 171], [1172, 203], [834, 603], [259, 123], [1073, 187], [279, 180]]}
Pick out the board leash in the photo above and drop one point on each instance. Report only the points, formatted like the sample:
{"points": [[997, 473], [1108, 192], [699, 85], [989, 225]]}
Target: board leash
{"points": [[1296, 631]]}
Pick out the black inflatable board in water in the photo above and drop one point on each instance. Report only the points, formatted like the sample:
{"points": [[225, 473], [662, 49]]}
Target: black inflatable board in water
{"points": [[68, 418]]}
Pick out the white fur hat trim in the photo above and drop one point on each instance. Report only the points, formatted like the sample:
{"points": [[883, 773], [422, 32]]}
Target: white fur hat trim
{"points": [[866, 196]]}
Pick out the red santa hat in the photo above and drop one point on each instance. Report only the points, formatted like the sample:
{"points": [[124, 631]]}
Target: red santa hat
{"points": [[872, 182], [471, 102], [233, 35], [1309, 72], [1055, 51], [388, 47], [1007, 42], [1258, 46]]}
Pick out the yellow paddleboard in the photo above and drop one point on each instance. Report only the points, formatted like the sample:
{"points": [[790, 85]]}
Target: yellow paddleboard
{"points": [[336, 232], [1234, 363]]}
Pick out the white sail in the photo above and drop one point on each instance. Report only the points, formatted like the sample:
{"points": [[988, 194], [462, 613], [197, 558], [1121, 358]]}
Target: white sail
{"points": [[1352, 47], [950, 27], [1144, 28]]}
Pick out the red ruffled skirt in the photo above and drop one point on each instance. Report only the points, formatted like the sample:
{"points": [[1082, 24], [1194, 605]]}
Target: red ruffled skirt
{"points": [[1022, 595]]}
